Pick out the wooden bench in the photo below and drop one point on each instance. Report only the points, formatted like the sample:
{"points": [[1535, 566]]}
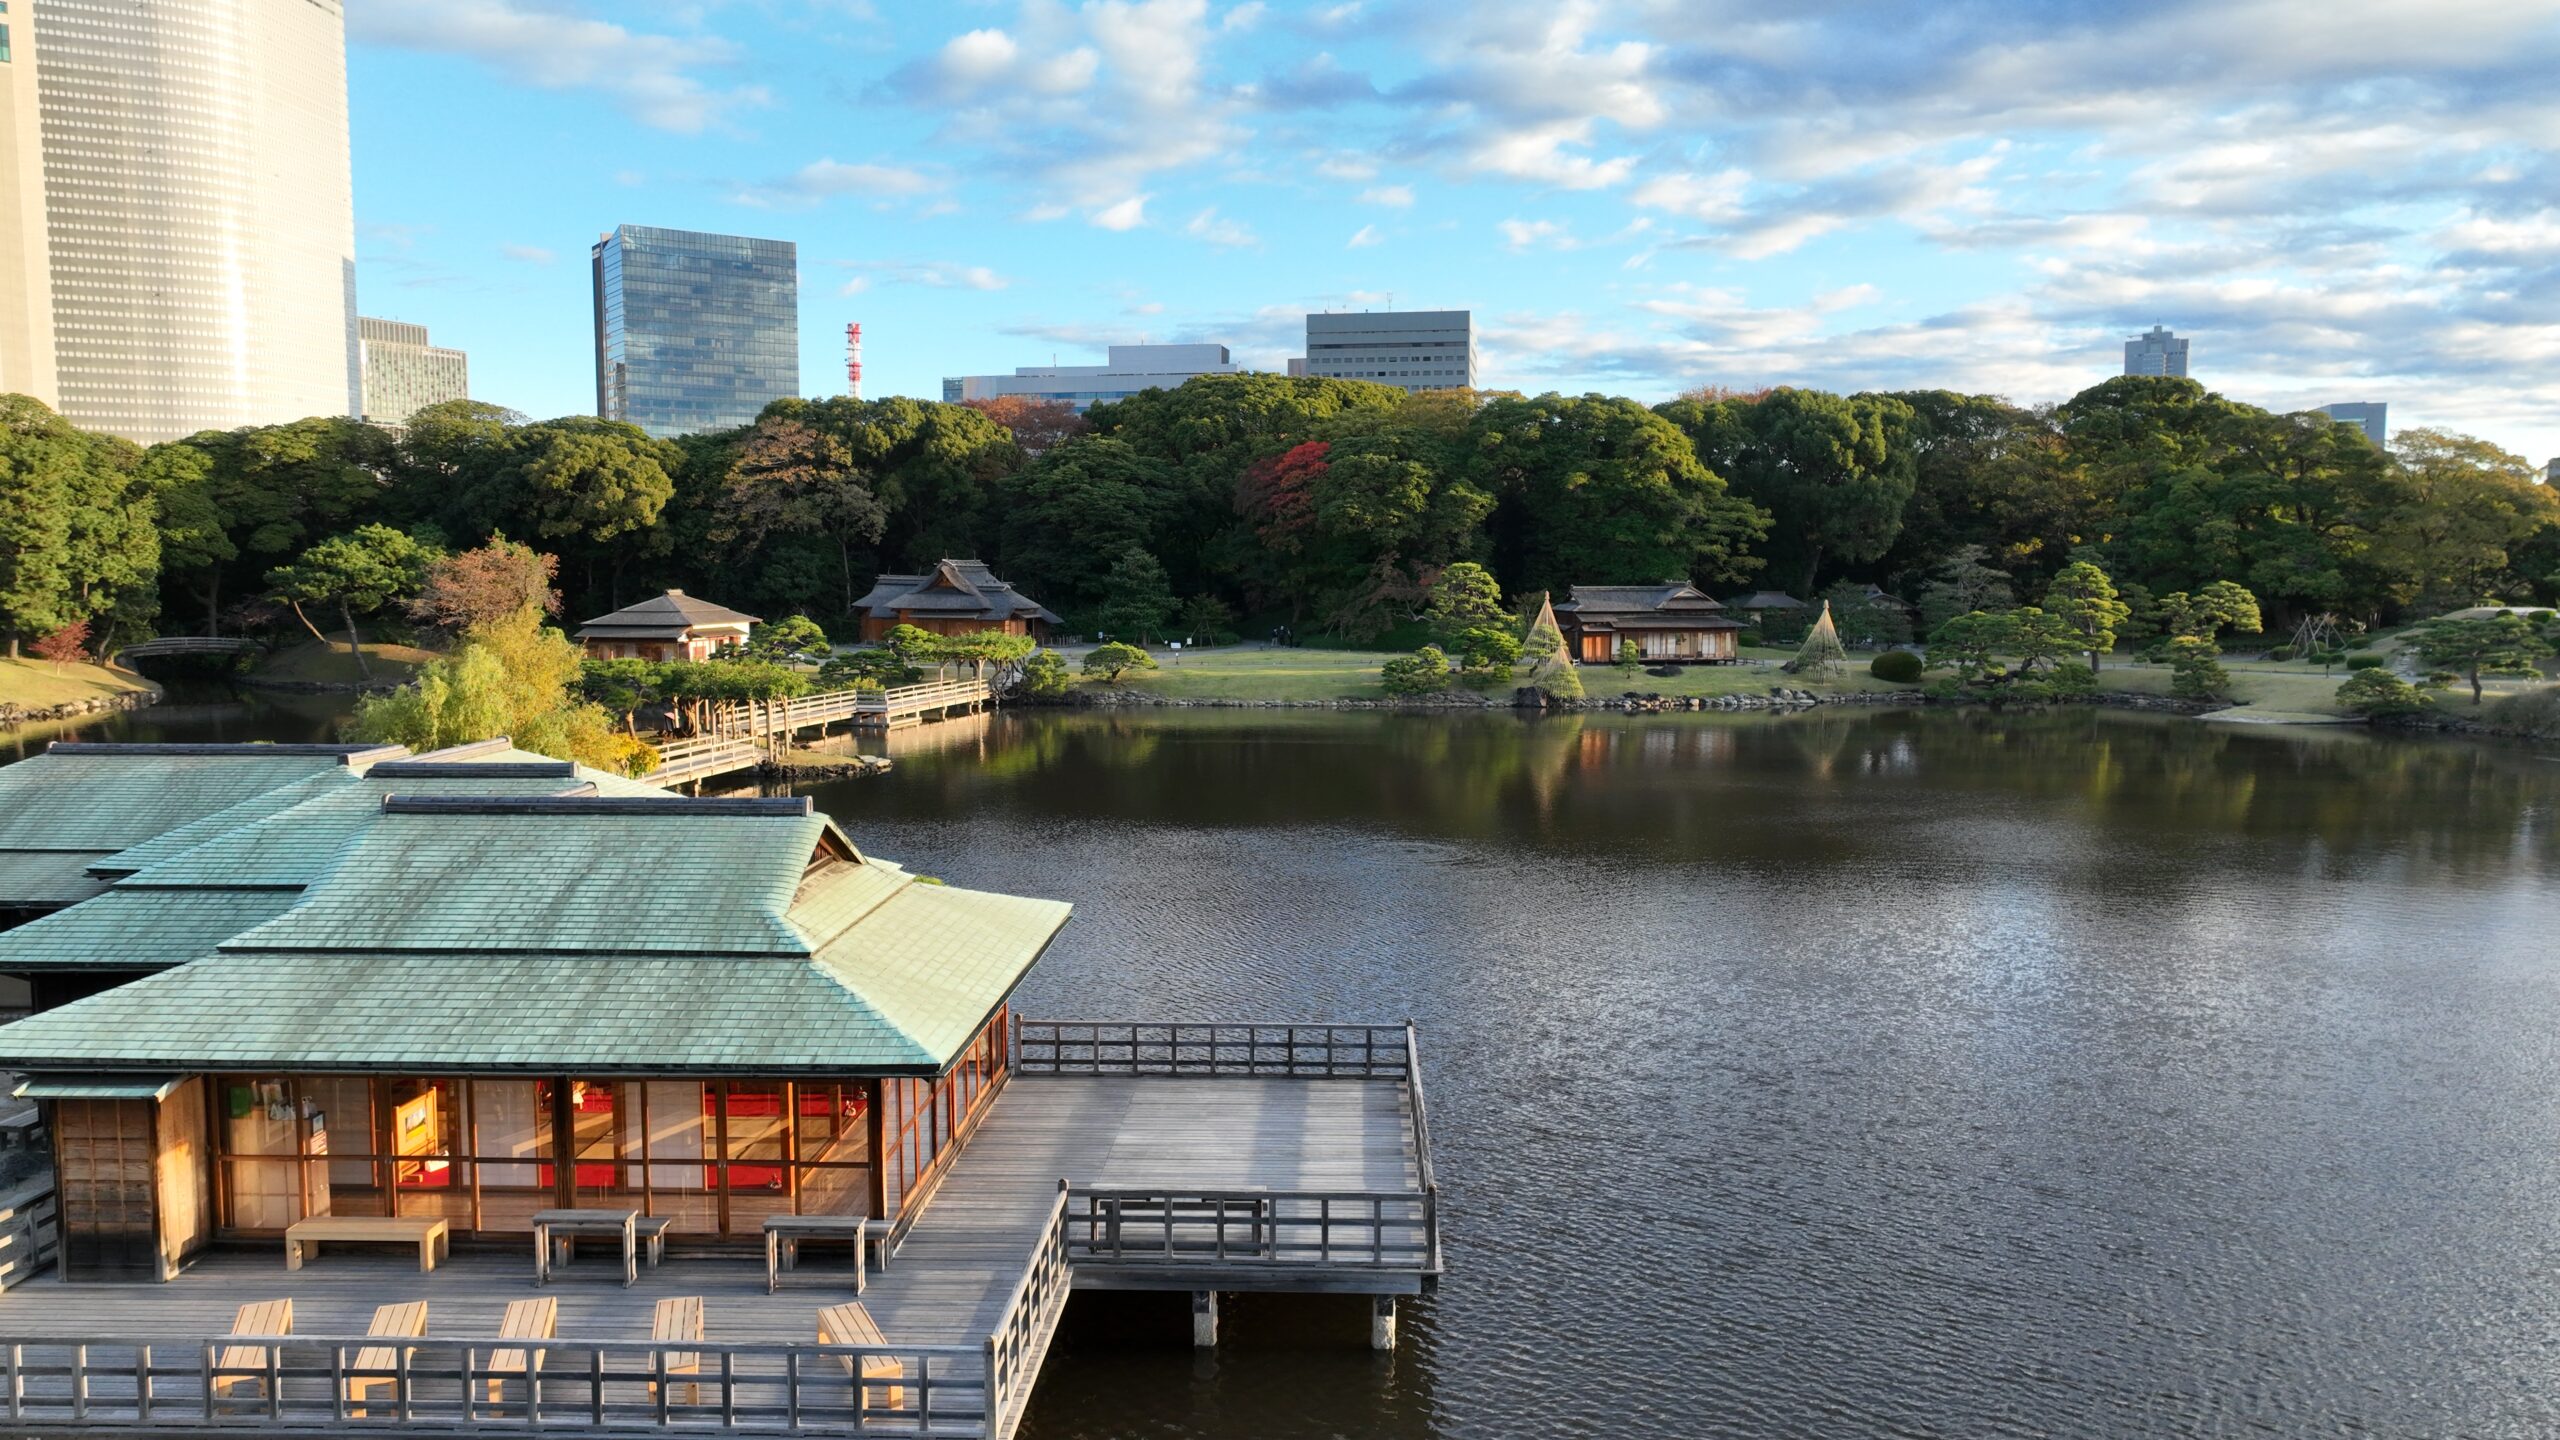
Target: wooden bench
{"points": [[537, 1319], [850, 1324], [270, 1318], [652, 1231], [406, 1321], [678, 1318], [783, 1234], [431, 1236]]}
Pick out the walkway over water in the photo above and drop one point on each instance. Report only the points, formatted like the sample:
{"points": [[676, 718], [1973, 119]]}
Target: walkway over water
{"points": [[1195, 1158], [736, 735]]}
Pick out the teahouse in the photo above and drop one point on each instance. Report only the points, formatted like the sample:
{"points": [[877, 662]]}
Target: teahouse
{"points": [[1670, 624], [672, 626], [959, 597]]}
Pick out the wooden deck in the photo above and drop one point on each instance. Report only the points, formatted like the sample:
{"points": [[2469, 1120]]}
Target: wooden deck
{"points": [[736, 736]]}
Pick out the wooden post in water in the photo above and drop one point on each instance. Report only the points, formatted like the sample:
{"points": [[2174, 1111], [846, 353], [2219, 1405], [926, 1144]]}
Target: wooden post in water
{"points": [[1204, 1319]]}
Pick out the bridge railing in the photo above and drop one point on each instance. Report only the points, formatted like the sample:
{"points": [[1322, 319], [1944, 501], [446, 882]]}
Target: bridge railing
{"points": [[1213, 1047]]}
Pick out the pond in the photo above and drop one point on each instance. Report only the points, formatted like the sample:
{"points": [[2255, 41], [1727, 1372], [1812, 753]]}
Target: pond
{"points": [[1843, 1073]]}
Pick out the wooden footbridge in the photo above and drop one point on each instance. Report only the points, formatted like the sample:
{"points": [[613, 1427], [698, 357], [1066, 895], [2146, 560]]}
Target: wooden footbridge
{"points": [[742, 734]]}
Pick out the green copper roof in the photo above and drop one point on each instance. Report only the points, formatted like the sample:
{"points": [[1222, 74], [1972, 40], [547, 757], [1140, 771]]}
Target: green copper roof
{"points": [[108, 797], [138, 929], [175, 842], [47, 877]]}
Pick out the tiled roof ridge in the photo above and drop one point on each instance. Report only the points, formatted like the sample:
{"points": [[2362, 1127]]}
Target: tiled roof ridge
{"points": [[818, 942], [475, 770], [244, 749], [668, 807]]}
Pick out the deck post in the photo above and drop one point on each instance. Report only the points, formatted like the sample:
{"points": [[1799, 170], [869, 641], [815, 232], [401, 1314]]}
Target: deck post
{"points": [[1382, 1322], [1204, 1319]]}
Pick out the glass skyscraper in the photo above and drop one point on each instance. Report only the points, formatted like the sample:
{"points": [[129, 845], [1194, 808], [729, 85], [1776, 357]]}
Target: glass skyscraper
{"points": [[694, 331]]}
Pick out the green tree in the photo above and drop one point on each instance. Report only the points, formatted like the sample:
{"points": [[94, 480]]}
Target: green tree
{"points": [[1137, 600], [1109, 662], [2082, 598], [2212, 609], [1206, 617], [620, 686], [1488, 651], [1424, 672], [787, 478], [1962, 584], [1044, 676], [1863, 618], [2501, 644], [1073, 512], [1464, 597], [781, 639], [937, 470], [2468, 511], [2194, 671], [359, 573], [1834, 472], [510, 677], [2380, 694], [1630, 657]]}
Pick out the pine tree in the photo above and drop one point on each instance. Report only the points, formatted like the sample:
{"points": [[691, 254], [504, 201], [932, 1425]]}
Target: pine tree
{"points": [[1821, 652], [1551, 670]]}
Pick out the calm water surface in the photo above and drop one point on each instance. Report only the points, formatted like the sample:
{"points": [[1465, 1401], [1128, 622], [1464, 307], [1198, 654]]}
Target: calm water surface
{"points": [[1928, 1074]]}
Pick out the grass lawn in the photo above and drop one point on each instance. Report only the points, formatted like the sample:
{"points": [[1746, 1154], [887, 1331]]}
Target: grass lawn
{"points": [[1239, 672], [41, 684], [312, 663]]}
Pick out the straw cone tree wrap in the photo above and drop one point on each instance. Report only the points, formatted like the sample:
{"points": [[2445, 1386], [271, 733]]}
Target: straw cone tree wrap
{"points": [[1821, 653], [1551, 670]]}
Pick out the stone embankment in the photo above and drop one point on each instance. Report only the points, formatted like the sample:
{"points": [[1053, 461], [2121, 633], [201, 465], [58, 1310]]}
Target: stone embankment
{"points": [[11, 714], [1779, 698], [807, 765]]}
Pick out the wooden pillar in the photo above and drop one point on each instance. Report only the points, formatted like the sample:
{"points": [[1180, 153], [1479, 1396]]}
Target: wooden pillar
{"points": [[1382, 1322], [1204, 1319]]}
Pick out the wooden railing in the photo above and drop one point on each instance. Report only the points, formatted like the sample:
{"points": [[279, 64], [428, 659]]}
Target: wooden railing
{"points": [[746, 719], [1147, 1047], [30, 1232], [187, 645], [1231, 1229], [71, 1382], [1021, 1338]]}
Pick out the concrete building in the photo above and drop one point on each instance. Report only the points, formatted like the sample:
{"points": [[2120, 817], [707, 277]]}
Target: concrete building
{"points": [[2551, 473], [2156, 352], [26, 281], [403, 374], [2371, 416], [694, 331], [1416, 349], [199, 216], [1129, 370]]}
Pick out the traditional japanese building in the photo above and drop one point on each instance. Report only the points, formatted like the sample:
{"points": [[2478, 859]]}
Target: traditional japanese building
{"points": [[672, 626], [1670, 624], [959, 597]]}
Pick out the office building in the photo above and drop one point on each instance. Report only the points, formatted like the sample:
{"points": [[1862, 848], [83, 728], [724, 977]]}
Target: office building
{"points": [[1129, 370], [2156, 352], [199, 216], [26, 282], [2551, 473], [403, 374], [694, 331], [1416, 349], [2370, 416]]}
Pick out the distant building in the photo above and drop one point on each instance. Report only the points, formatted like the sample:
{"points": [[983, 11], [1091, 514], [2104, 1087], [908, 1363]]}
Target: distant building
{"points": [[694, 331], [2551, 473], [1129, 370], [26, 273], [2156, 352], [1416, 349], [403, 374], [1668, 623], [672, 626], [960, 597], [199, 214], [2370, 416]]}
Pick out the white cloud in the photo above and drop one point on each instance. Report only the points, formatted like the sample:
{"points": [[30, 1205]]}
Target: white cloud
{"points": [[1226, 234], [1398, 196], [1364, 237], [1524, 234], [1243, 17], [529, 254], [932, 274], [1126, 214], [653, 77]]}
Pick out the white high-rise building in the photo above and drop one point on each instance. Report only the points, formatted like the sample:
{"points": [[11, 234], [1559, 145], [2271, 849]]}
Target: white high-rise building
{"points": [[26, 281], [2156, 352], [1129, 370], [200, 216], [1417, 349], [404, 374]]}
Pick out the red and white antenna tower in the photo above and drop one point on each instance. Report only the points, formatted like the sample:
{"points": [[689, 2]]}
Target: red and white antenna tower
{"points": [[853, 361]]}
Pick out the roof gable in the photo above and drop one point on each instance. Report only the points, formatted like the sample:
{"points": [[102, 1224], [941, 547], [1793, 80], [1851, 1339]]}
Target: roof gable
{"points": [[671, 612]]}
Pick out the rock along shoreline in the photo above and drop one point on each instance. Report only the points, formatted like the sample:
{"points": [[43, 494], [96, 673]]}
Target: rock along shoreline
{"points": [[1780, 698], [77, 709]]}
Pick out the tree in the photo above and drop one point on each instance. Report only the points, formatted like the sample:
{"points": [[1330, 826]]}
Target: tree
{"points": [[1961, 585], [1630, 657], [1551, 671], [1464, 597], [784, 638], [1821, 653], [1597, 490], [2379, 694], [2467, 513], [1109, 662], [2212, 609], [2194, 672], [1036, 425], [790, 478], [1136, 599], [982, 648], [1073, 512], [1205, 618], [1424, 672], [78, 539], [1044, 676], [2502, 644], [1866, 618], [1833, 472], [621, 686], [1488, 651], [64, 645], [2082, 598], [484, 584], [510, 677], [360, 573]]}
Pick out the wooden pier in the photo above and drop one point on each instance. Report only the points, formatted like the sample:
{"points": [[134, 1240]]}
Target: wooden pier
{"points": [[1192, 1158], [742, 734]]}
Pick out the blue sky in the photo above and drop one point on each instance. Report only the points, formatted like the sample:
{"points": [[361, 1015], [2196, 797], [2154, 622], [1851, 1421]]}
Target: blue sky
{"points": [[2343, 200]]}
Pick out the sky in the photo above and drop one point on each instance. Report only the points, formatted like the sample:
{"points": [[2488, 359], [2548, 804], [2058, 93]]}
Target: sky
{"points": [[2333, 199]]}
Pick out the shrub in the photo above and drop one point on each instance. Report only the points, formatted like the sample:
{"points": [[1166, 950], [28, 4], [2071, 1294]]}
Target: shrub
{"points": [[1109, 662], [2364, 660], [2534, 713], [1424, 672], [1898, 667], [1044, 676], [2281, 652], [1490, 648], [1630, 656], [2072, 680], [2373, 691], [2329, 657], [2194, 671]]}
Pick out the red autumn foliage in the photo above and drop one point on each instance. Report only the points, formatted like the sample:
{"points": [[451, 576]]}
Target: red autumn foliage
{"points": [[1276, 495], [1036, 424], [65, 645]]}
